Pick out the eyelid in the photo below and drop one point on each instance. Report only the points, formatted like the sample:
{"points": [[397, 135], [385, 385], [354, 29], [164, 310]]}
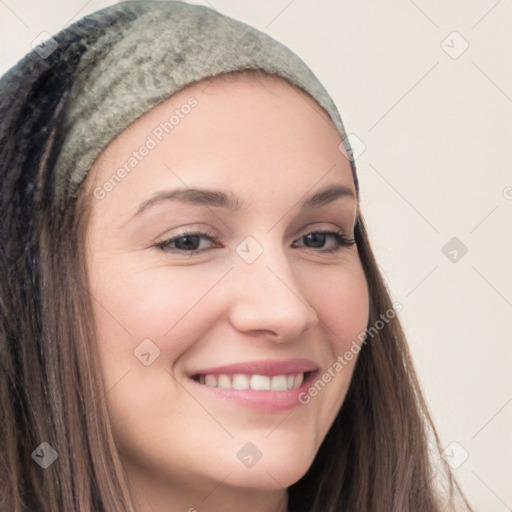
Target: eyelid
{"points": [[182, 232], [342, 239]]}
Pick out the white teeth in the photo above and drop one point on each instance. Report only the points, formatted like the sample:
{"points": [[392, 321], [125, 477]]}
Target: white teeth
{"points": [[210, 380], [260, 382], [224, 381], [255, 382], [279, 383], [241, 381]]}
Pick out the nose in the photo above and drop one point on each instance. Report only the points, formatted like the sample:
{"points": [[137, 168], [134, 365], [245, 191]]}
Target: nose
{"points": [[269, 300]]}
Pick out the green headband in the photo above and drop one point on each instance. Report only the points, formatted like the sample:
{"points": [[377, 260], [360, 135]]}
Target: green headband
{"points": [[154, 49]]}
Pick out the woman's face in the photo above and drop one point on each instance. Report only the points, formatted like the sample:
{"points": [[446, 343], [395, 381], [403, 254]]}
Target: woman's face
{"points": [[194, 328]]}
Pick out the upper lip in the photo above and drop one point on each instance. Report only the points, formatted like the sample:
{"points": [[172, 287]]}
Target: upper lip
{"points": [[269, 367]]}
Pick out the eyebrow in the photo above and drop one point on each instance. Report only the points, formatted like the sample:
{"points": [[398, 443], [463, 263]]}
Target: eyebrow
{"points": [[228, 200]]}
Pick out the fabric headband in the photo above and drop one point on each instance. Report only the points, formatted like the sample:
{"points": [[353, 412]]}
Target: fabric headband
{"points": [[153, 51]]}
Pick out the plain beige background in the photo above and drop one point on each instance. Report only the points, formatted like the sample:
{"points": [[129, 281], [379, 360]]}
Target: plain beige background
{"points": [[425, 90]]}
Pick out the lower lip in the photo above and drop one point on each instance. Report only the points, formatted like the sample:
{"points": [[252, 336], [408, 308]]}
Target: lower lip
{"points": [[269, 401]]}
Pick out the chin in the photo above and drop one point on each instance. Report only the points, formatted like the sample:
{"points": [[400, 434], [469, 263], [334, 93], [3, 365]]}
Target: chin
{"points": [[279, 467]]}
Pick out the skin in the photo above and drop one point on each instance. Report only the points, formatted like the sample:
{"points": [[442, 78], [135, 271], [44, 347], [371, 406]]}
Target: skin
{"points": [[271, 145]]}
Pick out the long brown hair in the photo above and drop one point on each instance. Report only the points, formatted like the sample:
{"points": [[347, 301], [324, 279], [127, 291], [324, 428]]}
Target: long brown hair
{"points": [[379, 455]]}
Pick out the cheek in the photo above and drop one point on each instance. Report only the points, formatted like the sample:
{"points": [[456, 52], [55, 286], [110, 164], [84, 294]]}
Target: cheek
{"points": [[341, 301], [342, 305], [133, 304], [349, 309]]}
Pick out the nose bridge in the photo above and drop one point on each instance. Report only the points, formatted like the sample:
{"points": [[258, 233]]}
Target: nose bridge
{"points": [[268, 292]]}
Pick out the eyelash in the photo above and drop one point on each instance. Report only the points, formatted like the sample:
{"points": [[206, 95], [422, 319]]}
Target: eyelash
{"points": [[341, 239]]}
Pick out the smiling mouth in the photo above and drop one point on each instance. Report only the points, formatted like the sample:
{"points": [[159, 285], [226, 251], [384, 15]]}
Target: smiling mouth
{"points": [[255, 382]]}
